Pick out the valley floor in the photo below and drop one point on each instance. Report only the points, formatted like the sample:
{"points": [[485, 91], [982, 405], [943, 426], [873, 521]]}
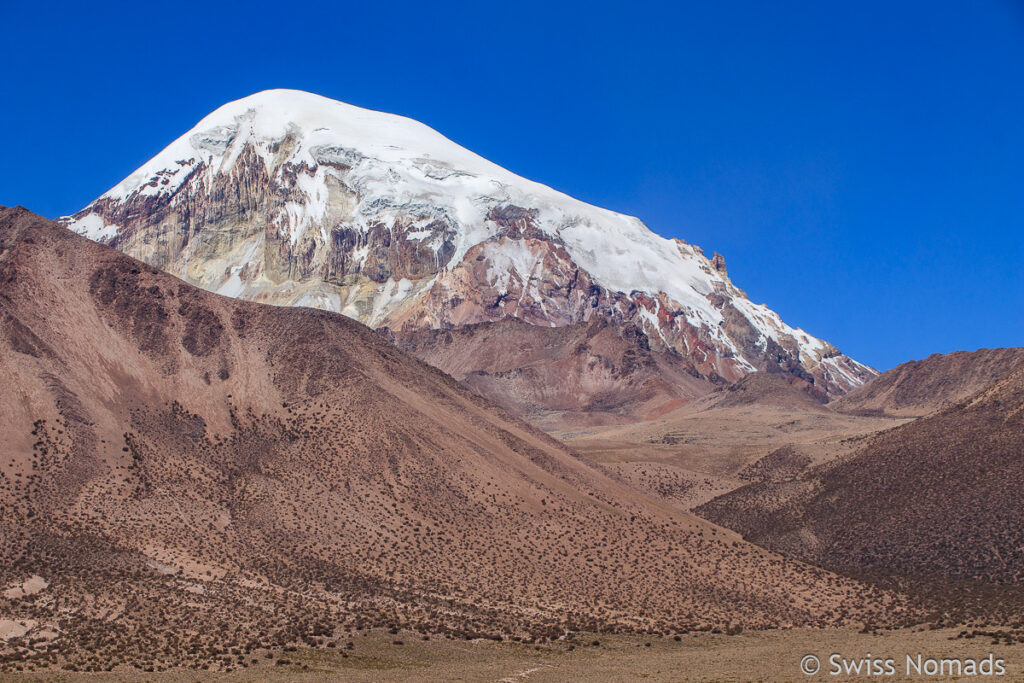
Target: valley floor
{"points": [[694, 454], [749, 656]]}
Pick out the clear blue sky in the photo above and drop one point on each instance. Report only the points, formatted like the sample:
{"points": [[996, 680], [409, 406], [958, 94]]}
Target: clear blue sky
{"points": [[859, 164]]}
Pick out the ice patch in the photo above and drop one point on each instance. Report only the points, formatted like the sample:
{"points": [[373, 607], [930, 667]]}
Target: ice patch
{"points": [[95, 228]]}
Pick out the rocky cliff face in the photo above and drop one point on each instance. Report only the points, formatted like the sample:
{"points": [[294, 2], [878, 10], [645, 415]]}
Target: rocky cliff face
{"points": [[289, 198]]}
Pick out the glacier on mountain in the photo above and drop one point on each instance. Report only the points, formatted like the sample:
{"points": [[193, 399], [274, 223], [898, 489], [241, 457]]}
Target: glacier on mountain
{"points": [[296, 199]]}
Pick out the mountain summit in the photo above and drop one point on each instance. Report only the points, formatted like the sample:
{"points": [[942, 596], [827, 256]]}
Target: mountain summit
{"points": [[290, 198]]}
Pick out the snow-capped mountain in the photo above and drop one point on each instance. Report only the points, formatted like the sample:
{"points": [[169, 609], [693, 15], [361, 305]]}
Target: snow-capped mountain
{"points": [[290, 198]]}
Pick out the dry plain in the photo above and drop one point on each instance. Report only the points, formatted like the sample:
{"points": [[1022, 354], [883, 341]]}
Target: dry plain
{"points": [[748, 656]]}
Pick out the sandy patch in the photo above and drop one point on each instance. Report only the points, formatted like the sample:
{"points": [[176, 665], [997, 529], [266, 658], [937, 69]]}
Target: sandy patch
{"points": [[30, 586], [15, 629]]}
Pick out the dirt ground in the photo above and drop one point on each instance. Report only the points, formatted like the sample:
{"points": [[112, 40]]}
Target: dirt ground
{"points": [[750, 656], [707, 448]]}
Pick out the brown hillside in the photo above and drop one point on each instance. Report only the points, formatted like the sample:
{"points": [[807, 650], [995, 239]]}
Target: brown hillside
{"points": [[584, 374], [192, 476], [921, 387], [937, 497]]}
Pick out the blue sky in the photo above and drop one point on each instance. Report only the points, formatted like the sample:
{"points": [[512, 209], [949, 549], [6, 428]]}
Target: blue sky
{"points": [[860, 165]]}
